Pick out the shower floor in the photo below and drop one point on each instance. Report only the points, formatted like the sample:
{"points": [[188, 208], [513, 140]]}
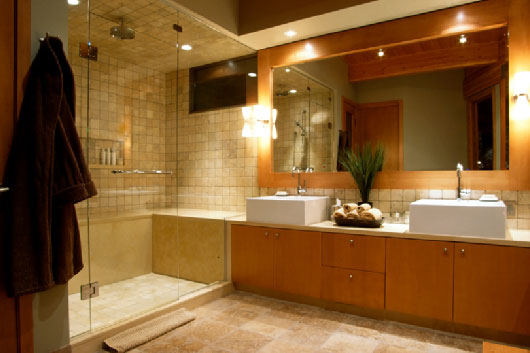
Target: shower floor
{"points": [[124, 299]]}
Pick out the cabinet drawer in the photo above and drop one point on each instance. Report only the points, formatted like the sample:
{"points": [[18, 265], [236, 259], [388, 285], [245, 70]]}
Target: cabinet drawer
{"points": [[355, 252], [366, 289]]}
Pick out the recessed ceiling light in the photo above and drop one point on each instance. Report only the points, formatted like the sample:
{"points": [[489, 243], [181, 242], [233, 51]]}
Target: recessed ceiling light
{"points": [[381, 53], [73, 2], [463, 39], [292, 91], [290, 33], [252, 74], [287, 70], [186, 47]]}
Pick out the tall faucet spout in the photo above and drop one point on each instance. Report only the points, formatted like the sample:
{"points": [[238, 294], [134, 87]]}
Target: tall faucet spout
{"points": [[459, 169]]}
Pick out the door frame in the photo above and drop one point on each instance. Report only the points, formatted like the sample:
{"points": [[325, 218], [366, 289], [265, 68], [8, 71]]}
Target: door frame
{"points": [[16, 328]]}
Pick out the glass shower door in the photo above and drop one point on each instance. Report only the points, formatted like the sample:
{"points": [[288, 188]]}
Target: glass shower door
{"points": [[129, 94]]}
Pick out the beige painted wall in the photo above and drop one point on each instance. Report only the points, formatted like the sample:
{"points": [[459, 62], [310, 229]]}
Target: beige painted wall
{"points": [[434, 116], [50, 308]]}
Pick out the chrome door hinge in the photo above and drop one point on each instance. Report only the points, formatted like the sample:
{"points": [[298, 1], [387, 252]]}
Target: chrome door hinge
{"points": [[90, 290]]}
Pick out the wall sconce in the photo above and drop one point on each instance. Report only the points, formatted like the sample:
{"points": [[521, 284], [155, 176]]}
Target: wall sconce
{"points": [[256, 121], [521, 85]]}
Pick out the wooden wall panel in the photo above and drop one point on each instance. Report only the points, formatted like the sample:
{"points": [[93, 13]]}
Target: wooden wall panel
{"points": [[16, 325]]}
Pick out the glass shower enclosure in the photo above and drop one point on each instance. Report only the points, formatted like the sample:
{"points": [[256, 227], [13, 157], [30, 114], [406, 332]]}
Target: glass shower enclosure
{"points": [[140, 249]]}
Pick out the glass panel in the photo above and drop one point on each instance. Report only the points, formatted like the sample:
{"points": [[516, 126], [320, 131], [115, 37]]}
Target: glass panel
{"points": [[79, 310], [137, 52], [215, 165]]}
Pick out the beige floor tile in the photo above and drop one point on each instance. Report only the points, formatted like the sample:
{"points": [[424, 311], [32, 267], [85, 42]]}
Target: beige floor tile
{"points": [[243, 341], [388, 348], [279, 345], [247, 323], [264, 329], [306, 334], [340, 342]]}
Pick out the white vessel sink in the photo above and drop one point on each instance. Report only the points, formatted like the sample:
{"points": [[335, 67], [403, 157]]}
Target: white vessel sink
{"points": [[458, 217], [296, 210]]}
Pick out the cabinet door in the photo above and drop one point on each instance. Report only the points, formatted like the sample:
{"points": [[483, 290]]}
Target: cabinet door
{"points": [[297, 262], [357, 252], [252, 262], [362, 288], [419, 278], [492, 287]]}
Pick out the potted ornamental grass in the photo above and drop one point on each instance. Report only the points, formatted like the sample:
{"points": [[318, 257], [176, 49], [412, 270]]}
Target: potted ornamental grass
{"points": [[363, 164]]}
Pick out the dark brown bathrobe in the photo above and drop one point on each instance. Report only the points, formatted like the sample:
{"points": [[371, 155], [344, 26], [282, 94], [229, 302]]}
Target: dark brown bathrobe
{"points": [[47, 174]]}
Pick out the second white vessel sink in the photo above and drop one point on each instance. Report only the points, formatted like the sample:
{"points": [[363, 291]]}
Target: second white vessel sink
{"points": [[458, 217], [295, 210]]}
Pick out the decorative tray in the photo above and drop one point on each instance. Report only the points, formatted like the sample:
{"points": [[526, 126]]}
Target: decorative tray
{"points": [[362, 223]]}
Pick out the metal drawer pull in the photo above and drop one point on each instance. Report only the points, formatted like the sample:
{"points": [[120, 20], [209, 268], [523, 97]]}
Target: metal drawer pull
{"points": [[266, 234], [445, 250], [463, 251], [277, 235], [351, 241], [351, 276]]}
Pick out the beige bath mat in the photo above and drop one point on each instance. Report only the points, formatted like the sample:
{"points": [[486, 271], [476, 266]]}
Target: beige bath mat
{"points": [[148, 331]]}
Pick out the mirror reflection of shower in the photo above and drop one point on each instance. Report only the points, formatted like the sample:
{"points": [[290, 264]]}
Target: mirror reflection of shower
{"points": [[301, 156], [305, 108]]}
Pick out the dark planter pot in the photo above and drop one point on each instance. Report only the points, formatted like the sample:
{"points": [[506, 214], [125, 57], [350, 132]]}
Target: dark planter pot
{"points": [[369, 202]]}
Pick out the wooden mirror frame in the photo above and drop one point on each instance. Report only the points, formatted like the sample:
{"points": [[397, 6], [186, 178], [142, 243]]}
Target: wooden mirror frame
{"points": [[477, 16]]}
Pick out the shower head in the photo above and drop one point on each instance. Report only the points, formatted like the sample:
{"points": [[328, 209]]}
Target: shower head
{"points": [[122, 32]]}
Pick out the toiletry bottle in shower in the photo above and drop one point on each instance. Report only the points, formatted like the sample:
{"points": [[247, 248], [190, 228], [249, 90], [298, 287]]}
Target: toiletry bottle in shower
{"points": [[113, 157], [103, 156], [108, 160]]}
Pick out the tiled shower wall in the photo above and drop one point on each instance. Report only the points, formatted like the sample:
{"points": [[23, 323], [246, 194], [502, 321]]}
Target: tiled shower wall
{"points": [[127, 111], [390, 201], [217, 167]]}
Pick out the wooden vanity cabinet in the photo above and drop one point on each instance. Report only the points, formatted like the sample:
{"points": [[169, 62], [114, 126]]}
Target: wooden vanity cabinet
{"points": [[492, 287], [419, 278], [252, 252], [361, 288], [357, 252], [297, 262], [279, 259]]}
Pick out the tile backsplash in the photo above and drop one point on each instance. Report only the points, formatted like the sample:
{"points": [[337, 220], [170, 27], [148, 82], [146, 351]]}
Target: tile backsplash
{"points": [[390, 201]]}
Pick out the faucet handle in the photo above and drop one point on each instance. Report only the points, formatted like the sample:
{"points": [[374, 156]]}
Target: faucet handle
{"points": [[309, 170]]}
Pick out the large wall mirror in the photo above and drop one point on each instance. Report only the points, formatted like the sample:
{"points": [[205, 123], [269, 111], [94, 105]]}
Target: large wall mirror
{"points": [[431, 104]]}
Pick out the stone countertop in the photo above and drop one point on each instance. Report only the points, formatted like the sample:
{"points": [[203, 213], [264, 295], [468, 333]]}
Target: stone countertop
{"points": [[514, 237]]}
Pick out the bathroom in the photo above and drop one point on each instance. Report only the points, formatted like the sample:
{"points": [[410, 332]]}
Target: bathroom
{"points": [[173, 176]]}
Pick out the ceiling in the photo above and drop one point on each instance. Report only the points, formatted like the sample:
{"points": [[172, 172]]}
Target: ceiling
{"points": [[154, 45], [362, 14]]}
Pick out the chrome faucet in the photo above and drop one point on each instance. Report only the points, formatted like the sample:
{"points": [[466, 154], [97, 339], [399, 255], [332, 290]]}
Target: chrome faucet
{"points": [[459, 169], [299, 189]]}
